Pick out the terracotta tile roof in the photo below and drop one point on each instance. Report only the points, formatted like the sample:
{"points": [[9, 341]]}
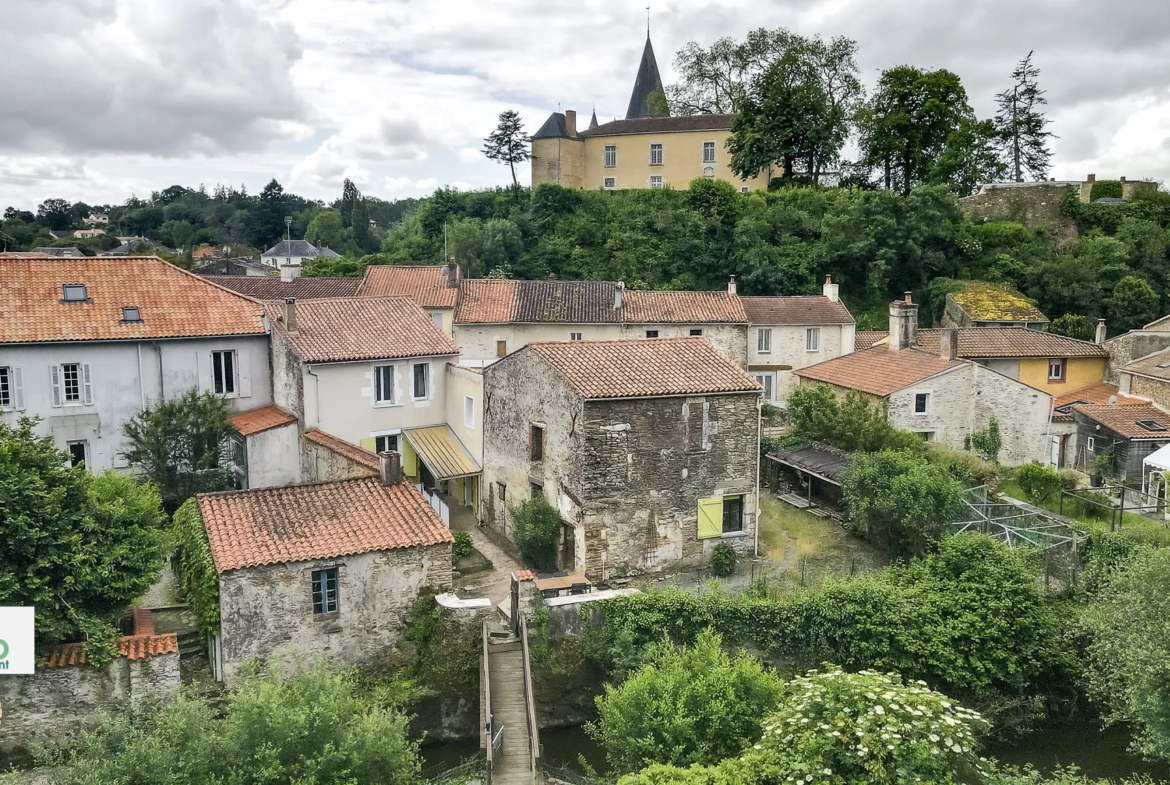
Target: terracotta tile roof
{"points": [[486, 301], [992, 342], [987, 302], [257, 420], [132, 647], [866, 338], [652, 307], [426, 285], [795, 310], [878, 371], [342, 447], [642, 368], [1123, 420], [1155, 366], [272, 288], [173, 303], [295, 523], [1096, 393], [362, 328]]}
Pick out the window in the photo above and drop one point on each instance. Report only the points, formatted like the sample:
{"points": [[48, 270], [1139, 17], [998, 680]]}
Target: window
{"points": [[764, 340], [77, 452], [655, 181], [709, 172], [74, 293], [469, 411], [422, 387], [610, 157], [1056, 370], [609, 182], [766, 381], [812, 339], [535, 490], [1091, 444], [383, 385], [697, 331], [70, 384], [574, 336], [921, 403], [386, 443], [656, 155], [223, 372], [927, 436], [325, 591], [651, 333], [502, 491], [535, 443], [708, 152], [732, 514], [71, 378], [501, 348], [719, 515], [11, 388], [743, 189], [437, 318], [130, 313]]}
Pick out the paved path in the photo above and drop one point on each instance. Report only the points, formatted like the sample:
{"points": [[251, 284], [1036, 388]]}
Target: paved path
{"points": [[494, 583]]}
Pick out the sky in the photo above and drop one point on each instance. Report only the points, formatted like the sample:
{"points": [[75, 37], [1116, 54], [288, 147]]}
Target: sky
{"points": [[104, 99]]}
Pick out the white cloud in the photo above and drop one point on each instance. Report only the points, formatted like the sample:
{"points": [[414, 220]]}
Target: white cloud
{"points": [[470, 155]]}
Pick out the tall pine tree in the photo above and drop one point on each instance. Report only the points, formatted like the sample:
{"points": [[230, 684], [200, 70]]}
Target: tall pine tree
{"points": [[1021, 125], [508, 144]]}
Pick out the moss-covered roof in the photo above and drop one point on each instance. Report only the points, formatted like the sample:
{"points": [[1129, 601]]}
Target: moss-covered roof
{"points": [[988, 302]]}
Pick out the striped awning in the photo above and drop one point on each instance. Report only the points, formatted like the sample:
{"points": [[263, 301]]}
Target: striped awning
{"points": [[442, 452]]}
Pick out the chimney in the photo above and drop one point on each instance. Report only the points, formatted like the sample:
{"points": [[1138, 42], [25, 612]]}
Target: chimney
{"points": [[290, 314], [318, 243], [452, 271], [289, 272], [618, 289], [1100, 331], [390, 467], [948, 344], [552, 276], [571, 122], [1091, 178], [903, 324], [831, 290], [1121, 180], [731, 285]]}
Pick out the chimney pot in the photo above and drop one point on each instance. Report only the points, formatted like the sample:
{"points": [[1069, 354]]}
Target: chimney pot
{"points": [[908, 298], [390, 467], [731, 285], [571, 122], [1100, 331], [552, 276], [290, 314]]}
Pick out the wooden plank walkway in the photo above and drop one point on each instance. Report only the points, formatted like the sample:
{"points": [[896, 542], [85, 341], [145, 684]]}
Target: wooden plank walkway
{"points": [[513, 760]]}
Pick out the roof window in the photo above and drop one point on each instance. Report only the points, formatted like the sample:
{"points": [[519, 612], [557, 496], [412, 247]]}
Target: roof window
{"points": [[1151, 425], [1165, 364], [130, 313], [1067, 408], [74, 293]]}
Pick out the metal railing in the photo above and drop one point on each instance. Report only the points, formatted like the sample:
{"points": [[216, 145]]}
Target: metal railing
{"points": [[486, 696], [530, 703]]}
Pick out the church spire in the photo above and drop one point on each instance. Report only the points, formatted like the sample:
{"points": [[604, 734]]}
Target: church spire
{"points": [[647, 81], [593, 120]]}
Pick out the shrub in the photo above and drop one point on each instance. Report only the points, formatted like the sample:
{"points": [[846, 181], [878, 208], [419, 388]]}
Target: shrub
{"points": [[1072, 325], [986, 443], [536, 529], [966, 468], [462, 547], [723, 560], [1070, 479], [1038, 482], [1105, 189], [195, 568], [852, 423]]}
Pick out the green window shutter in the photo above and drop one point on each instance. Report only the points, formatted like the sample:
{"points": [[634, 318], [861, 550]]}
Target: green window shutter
{"points": [[370, 443], [711, 517]]}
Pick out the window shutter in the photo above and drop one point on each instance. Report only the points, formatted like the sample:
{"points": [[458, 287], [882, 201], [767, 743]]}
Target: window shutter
{"points": [[245, 371], [369, 443], [87, 385], [203, 363], [710, 517], [18, 389], [55, 383]]}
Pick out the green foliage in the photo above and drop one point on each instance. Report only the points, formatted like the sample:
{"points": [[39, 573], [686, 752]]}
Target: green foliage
{"points": [[1130, 648], [194, 566], [1134, 304], [181, 445], [899, 500], [723, 560], [1009, 775], [508, 144], [855, 423], [1072, 325], [967, 469], [1037, 481], [76, 546], [986, 443], [1105, 189], [463, 546], [326, 228], [447, 650], [536, 530], [317, 727], [695, 705]]}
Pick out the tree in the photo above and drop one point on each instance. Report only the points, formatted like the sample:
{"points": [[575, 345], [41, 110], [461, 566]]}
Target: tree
{"points": [[1020, 125], [55, 214], [1037, 482], [900, 500], [270, 215], [326, 228], [854, 423], [317, 728], [1134, 304], [349, 197], [695, 705], [1073, 326], [359, 226], [906, 125], [76, 546], [536, 529], [509, 143], [181, 445], [969, 158]]}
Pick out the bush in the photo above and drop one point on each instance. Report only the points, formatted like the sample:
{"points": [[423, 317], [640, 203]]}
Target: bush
{"points": [[1072, 325], [195, 568], [1105, 189], [536, 529], [1070, 479], [1038, 482], [462, 547], [986, 443], [966, 468], [852, 423], [723, 560]]}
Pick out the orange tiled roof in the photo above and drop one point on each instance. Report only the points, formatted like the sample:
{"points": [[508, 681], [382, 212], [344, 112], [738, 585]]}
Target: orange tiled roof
{"points": [[132, 647], [345, 449], [878, 371], [324, 520], [1096, 393], [173, 303], [428, 286], [696, 307], [362, 328], [991, 342], [257, 420], [1123, 420], [644, 368], [864, 339], [487, 301], [795, 310]]}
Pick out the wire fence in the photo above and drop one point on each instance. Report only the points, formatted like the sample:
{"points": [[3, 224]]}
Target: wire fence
{"points": [[1112, 502]]}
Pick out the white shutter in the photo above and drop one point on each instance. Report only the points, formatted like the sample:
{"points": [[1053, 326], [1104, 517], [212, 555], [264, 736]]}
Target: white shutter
{"points": [[244, 369], [203, 362], [87, 385], [55, 383], [18, 389]]}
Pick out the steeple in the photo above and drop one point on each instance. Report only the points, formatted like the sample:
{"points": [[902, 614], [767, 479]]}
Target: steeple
{"points": [[647, 81], [593, 120]]}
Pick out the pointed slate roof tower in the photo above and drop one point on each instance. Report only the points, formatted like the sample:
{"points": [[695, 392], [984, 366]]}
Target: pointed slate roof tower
{"points": [[647, 81], [593, 121]]}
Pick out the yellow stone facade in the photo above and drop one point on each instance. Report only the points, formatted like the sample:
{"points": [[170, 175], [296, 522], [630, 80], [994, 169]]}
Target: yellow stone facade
{"points": [[1078, 372]]}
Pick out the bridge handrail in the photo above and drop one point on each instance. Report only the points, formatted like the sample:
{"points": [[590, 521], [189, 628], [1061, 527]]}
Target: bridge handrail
{"points": [[530, 700], [489, 726]]}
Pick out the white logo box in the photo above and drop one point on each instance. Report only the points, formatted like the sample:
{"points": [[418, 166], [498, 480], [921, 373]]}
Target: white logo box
{"points": [[17, 634]]}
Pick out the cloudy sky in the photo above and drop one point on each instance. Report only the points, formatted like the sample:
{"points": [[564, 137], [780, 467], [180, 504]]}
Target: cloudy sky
{"points": [[102, 99]]}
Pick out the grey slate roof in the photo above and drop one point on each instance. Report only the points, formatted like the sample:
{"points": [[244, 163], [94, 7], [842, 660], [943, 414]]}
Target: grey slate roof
{"points": [[663, 125], [301, 248], [647, 81], [593, 120], [568, 302], [271, 287], [554, 128]]}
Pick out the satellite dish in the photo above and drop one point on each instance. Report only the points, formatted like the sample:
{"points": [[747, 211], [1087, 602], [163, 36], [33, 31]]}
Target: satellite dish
{"points": [[1112, 399]]}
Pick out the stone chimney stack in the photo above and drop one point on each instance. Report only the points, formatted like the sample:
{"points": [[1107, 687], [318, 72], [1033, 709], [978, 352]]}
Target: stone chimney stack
{"points": [[731, 285], [290, 314], [831, 290], [290, 272], [948, 344], [390, 467], [1100, 331], [1091, 178], [618, 290], [452, 273], [571, 122], [903, 324]]}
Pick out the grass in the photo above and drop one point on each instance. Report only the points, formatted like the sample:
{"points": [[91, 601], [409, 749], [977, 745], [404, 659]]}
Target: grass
{"points": [[1092, 518], [797, 542]]}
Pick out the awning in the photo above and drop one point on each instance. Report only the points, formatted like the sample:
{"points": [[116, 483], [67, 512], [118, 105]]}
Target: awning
{"points": [[442, 452], [820, 460], [1159, 459]]}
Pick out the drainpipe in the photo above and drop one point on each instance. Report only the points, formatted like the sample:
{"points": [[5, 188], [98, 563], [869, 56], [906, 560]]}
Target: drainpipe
{"points": [[141, 381], [316, 393], [759, 460], [162, 396]]}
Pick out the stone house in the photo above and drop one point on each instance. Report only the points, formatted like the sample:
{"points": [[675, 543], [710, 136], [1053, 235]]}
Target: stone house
{"points": [[939, 396], [1136, 345], [266, 451], [982, 304], [1130, 432], [788, 333], [434, 287], [321, 569], [1068, 449], [648, 449], [1147, 377], [86, 343]]}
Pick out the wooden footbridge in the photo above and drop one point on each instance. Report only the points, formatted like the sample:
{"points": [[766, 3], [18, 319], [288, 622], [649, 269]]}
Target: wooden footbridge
{"points": [[509, 735]]}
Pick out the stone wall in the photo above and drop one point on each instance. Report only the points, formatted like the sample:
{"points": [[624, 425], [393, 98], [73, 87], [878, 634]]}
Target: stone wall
{"points": [[319, 464], [56, 703], [288, 385], [1152, 389], [267, 612], [558, 160], [1031, 204], [1131, 346]]}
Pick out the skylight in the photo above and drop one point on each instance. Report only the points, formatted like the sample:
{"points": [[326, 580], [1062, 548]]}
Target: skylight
{"points": [[1165, 364], [1151, 425], [130, 313], [74, 293], [1066, 408]]}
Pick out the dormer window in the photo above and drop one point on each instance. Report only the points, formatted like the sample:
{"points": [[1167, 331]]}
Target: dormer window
{"points": [[130, 313], [74, 293]]}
